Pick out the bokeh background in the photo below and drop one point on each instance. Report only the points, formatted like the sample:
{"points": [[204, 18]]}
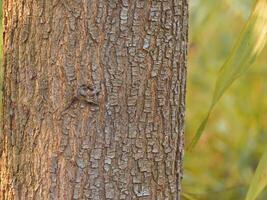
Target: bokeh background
{"points": [[222, 164]]}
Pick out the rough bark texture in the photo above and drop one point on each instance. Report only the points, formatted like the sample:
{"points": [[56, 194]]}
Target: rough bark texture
{"points": [[94, 99]]}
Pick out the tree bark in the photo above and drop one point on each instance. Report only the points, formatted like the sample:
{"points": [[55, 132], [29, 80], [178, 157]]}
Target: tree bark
{"points": [[94, 99]]}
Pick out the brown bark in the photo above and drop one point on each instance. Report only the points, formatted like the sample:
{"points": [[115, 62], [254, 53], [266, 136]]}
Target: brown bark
{"points": [[94, 99]]}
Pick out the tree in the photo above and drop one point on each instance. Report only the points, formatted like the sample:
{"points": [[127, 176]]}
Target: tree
{"points": [[94, 99]]}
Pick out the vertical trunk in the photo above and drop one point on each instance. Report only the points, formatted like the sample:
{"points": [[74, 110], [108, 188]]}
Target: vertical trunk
{"points": [[94, 99]]}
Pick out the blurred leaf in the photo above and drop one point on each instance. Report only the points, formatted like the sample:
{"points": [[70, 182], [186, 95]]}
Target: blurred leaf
{"points": [[250, 44], [259, 181], [188, 196]]}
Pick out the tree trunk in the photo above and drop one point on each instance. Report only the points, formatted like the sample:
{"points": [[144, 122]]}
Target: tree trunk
{"points": [[94, 99]]}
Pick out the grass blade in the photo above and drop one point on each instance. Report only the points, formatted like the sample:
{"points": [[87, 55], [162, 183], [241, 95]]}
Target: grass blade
{"points": [[188, 196], [259, 181], [250, 44]]}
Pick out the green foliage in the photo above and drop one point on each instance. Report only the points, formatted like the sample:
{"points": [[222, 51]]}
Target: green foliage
{"points": [[249, 46], [222, 165]]}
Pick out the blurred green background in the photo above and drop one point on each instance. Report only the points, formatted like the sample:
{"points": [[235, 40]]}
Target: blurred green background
{"points": [[223, 162]]}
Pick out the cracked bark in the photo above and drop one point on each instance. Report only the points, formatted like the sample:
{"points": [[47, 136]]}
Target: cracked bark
{"points": [[94, 99]]}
